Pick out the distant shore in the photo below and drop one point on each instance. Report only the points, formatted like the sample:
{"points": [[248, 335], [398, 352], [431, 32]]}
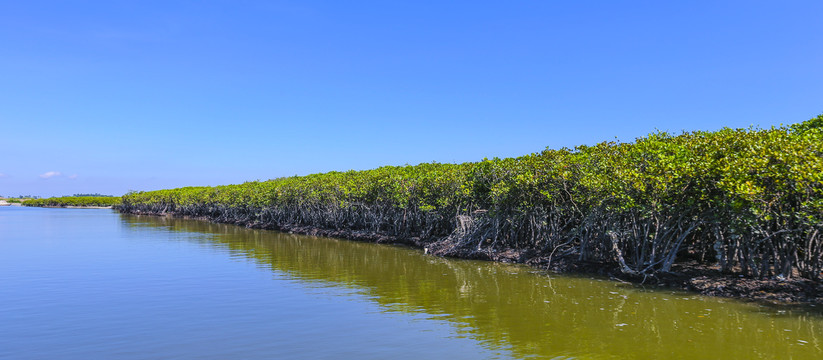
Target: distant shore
{"points": [[75, 202]]}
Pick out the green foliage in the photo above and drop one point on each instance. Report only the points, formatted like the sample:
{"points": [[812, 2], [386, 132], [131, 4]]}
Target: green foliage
{"points": [[751, 197], [74, 201], [815, 123]]}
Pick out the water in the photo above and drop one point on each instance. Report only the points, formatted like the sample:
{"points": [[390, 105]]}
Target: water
{"points": [[79, 284]]}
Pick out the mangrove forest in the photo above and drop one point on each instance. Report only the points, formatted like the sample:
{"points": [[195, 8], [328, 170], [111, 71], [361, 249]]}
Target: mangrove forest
{"points": [[747, 200], [74, 201]]}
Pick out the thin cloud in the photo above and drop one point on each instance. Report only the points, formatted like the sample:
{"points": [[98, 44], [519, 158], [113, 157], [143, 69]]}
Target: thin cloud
{"points": [[50, 174], [3, 175], [73, 176]]}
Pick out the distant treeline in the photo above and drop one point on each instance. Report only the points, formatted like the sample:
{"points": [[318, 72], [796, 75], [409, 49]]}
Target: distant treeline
{"points": [[74, 201], [750, 199], [93, 195]]}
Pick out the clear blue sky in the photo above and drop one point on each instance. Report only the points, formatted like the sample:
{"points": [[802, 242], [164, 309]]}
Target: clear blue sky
{"points": [[112, 96]]}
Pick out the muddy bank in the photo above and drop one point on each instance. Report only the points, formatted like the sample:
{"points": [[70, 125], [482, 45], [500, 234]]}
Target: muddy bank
{"points": [[706, 280], [689, 276]]}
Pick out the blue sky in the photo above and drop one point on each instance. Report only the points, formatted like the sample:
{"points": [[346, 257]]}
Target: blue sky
{"points": [[112, 96]]}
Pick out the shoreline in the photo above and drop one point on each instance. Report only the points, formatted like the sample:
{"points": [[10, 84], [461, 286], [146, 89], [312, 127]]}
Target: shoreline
{"points": [[687, 276]]}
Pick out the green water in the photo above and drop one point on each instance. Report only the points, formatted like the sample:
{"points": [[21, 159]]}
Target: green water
{"points": [[152, 287]]}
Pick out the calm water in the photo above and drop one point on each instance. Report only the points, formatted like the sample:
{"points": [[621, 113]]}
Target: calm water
{"points": [[84, 284]]}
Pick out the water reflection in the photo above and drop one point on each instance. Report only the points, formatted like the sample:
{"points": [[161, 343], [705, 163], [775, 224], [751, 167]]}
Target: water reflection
{"points": [[514, 308]]}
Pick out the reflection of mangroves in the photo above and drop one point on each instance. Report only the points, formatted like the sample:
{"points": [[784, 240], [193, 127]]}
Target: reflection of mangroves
{"points": [[750, 198], [510, 307]]}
